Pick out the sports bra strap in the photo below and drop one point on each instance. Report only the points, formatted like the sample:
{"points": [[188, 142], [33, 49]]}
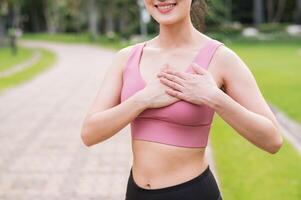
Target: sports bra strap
{"points": [[134, 55], [206, 56], [203, 59]]}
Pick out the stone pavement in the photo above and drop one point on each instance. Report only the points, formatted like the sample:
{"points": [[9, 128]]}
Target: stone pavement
{"points": [[41, 153]]}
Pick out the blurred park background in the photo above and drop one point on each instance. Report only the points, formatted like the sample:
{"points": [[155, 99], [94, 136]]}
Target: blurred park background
{"points": [[54, 55]]}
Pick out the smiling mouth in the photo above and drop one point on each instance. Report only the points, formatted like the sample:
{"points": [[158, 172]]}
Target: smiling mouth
{"points": [[165, 8]]}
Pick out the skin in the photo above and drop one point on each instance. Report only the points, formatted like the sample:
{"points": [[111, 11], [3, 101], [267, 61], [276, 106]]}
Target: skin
{"points": [[228, 87]]}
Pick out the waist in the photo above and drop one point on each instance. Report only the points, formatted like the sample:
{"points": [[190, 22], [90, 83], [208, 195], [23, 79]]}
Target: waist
{"points": [[170, 133], [162, 165]]}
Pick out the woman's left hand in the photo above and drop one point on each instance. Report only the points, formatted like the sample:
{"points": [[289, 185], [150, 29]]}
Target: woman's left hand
{"points": [[197, 88]]}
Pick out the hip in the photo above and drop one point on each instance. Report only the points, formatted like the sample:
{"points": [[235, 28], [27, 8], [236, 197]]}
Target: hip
{"points": [[202, 186]]}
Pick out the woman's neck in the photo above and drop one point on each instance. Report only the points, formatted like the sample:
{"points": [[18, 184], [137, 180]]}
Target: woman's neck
{"points": [[177, 35]]}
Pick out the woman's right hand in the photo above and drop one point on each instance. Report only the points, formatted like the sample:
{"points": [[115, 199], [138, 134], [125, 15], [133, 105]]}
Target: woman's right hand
{"points": [[153, 95]]}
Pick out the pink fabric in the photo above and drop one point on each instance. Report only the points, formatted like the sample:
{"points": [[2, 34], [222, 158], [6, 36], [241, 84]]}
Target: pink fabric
{"points": [[180, 124]]}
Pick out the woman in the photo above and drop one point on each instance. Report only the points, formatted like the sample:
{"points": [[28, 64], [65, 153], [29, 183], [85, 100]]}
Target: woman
{"points": [[168, 88]]}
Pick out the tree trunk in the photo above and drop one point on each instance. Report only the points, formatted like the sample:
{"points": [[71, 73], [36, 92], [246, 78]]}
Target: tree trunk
{"points": [[15, 16], [2, 31], [34, 20], [270, 10], [258, 12], [123, 19], [297, 14], [280, 9], [143, 25], [228, 5], [93, 19], [109, 19], [50, 16]]}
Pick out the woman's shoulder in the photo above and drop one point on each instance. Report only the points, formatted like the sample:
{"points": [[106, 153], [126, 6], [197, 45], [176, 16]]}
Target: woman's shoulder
{"points": [[125, 52], [227, 61], [122, 56], [224, 54]]}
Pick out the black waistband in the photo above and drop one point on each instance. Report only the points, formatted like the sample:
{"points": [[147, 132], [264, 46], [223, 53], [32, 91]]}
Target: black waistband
{"points": [[198, 178]]}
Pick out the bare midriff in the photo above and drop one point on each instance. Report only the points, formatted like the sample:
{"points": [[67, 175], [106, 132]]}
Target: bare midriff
{"points": [[157, 165]]}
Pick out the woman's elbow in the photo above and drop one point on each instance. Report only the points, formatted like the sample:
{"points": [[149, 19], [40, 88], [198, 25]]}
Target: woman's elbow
{"points": [[86, 134], [85, 137], [91, 134], [276, 143]]}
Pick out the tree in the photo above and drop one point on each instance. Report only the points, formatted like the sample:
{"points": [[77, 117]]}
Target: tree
{"points": [[3, 13], [143, 23], [219, 11], [273, 16], [258, 11], [93, 19], [52, 15], [297, 15]]}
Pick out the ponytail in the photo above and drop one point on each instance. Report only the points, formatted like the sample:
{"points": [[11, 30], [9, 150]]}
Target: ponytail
{"points": [[197, 13]]}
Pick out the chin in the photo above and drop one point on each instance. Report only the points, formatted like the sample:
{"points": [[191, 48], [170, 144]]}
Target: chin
{"points": [[164, 21], [167, 12]]}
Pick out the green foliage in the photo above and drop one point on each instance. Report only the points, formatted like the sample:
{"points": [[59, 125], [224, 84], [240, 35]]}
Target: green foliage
{"points": [[217, 12], [272, 27], [73, 15]]}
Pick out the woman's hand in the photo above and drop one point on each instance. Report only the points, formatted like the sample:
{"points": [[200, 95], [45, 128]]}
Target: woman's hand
{"points": [[153, 95], [197, 88]]}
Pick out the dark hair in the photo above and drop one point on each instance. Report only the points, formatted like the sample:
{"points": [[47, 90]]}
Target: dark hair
{"points": [[197, 13]]}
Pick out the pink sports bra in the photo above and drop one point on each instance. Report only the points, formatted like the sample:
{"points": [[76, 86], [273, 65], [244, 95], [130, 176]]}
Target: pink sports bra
{"points": [[182, 123]]}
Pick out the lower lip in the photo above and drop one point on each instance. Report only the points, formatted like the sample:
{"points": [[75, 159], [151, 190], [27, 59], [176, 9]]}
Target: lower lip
{"points": [[164, 11]]}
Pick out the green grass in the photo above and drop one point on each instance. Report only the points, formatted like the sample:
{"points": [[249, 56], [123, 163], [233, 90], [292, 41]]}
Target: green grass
{"points": [[277, 69], [7, 59], [83, 38], [47, 59], [247, 172]]}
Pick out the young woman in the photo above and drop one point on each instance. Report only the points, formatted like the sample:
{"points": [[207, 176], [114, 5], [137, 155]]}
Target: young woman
{"points": [[169, 88]]}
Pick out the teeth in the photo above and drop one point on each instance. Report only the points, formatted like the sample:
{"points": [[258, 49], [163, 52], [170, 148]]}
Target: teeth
{"points": [[166, 7]]}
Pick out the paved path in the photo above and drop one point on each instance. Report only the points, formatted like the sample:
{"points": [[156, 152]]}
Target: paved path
{"points": [[42, 156]]}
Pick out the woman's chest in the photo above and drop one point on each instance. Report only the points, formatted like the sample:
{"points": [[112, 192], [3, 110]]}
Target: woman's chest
{"points": [[143, 70], [149, 67]]}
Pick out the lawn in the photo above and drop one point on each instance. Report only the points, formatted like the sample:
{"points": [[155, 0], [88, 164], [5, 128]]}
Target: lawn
{"points": [[47, 59], [247, 172], [277, 69], [7, 59], [83, 38]]}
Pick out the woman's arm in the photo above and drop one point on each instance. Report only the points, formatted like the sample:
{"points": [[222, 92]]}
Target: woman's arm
{"points": [[242, 105], [107, 116]]}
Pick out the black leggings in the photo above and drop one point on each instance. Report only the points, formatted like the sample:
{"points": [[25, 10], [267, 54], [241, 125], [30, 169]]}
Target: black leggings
{"points": [[201, 187]]}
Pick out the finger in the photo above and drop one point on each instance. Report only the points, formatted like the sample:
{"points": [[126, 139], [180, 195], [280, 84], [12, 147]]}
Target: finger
{"points": [[198, 69], [171, 84], [172, 78], [175, 93], [181, 75]]}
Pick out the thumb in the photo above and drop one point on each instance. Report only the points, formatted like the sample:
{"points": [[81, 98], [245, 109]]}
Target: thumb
{"points": [[198, 69]]}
